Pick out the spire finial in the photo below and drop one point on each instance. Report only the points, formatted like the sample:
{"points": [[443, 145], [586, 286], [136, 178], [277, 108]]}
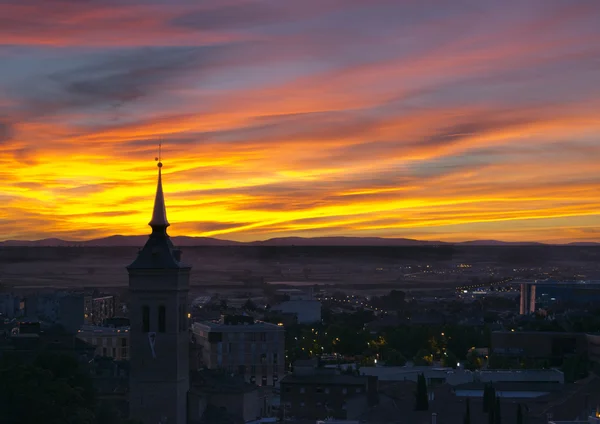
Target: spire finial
{"points": [[158, 158], [159, 215]]}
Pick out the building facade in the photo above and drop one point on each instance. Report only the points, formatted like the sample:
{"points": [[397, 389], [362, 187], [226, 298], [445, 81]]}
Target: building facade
{"points": [[545, 293], [109, 342], [252, 348], [159, 357], [63, 307], [312, 393], [99, 309], [306, 311], [545, 345]]}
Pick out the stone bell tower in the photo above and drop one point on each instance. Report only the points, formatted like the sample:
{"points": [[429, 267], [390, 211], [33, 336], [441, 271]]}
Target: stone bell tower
{"points": [[159, 341]]}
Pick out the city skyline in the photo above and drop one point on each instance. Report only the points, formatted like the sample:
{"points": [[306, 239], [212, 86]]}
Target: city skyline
{"points": [[316, 118]]}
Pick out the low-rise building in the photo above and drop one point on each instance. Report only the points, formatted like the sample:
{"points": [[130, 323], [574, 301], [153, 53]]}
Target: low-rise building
{"points": [[214, 393], [99, 308], [306, 311], [435, 376], [63, 307], [11, 305], [319, 393], [538, 344], [240, 344], [109, 341]]}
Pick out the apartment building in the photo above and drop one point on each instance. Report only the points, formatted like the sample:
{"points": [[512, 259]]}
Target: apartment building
{"points": [[109, 341], [241, 345]]}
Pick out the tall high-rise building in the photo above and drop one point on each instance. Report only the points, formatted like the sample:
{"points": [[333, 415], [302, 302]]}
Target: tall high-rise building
{"points": [[159, 340]]}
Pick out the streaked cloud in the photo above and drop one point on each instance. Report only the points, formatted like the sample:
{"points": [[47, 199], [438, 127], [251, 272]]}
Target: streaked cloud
{"points": [[333, 117]]}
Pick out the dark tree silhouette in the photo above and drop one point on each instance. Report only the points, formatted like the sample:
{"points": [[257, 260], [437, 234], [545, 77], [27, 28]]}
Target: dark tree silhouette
{"points": [[50, 391], [467, 419], [519, 414], [422, 400], [249, 305], [497, 415]]}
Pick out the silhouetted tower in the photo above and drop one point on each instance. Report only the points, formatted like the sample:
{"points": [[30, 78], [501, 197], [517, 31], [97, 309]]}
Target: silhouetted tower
{"points": [[159, 341]]}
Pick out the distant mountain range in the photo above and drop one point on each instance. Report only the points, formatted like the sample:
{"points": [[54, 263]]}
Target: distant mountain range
{"points": [[184, 241]]}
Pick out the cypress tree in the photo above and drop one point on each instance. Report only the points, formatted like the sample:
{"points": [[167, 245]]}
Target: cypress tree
{"points": [[467, 419], [422, 401], [519, 414], [491, 418], [485, 398], [497, 416], [488, 397]]}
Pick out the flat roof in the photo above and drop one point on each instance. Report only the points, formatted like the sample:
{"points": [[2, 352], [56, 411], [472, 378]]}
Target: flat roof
{"points": [[325, 379], [220, 326], [577, 283], [96, 329]]}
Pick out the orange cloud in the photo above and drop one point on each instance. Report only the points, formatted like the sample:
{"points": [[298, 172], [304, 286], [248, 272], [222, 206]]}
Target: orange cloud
{"points": [[300, 119]]}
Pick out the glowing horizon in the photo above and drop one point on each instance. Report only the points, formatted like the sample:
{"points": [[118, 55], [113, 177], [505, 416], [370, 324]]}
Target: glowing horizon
{"points": [[315, 118]]}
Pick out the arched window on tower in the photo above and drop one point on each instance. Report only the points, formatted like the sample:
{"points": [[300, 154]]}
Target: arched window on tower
{"points": [[145, 318], [162, 317]]}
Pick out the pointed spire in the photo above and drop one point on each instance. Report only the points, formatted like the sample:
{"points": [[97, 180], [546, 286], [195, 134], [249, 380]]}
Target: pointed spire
{"points": [[159, 214]]}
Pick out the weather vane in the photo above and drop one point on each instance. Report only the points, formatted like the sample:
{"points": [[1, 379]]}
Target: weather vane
{"points": [[158, 158]]}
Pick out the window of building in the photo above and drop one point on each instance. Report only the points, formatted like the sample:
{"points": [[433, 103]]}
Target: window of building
{"points": [[264, 380], [344, 390], [162, 317], [275, 358], [145, 318], [263, 358], [302, 390], [263, 337], [123, 342], [114, 352], [327, 390], [103, 351], [104, 341], [253, 369]]}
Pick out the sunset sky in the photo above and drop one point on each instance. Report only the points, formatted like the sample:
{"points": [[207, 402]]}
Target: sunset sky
{"points": [[437, 120]]}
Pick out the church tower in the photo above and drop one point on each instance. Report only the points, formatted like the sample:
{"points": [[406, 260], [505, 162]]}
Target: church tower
{"points": [[159, 341]]}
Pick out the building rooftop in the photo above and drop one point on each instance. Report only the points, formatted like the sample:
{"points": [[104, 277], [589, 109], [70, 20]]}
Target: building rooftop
{"points": [[325, 379], [514, 386], [217, 381], [220, 325], [97, 329], [579, 283]]}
